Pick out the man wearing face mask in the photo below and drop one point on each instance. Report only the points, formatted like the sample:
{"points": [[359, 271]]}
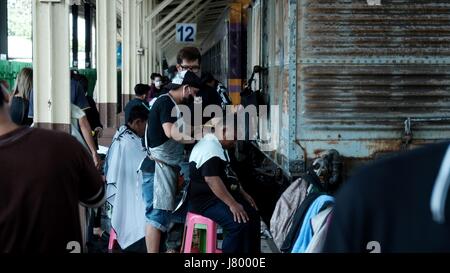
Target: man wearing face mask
{"points": [[155, 88], [165, 146], [190, 59]]}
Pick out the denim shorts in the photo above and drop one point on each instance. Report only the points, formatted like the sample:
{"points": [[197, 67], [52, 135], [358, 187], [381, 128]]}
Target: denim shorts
{"points": [[160, 219]]}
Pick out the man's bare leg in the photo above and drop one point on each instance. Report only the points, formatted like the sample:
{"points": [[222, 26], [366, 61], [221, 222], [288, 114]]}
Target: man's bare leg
{"points": [[152, 239]]}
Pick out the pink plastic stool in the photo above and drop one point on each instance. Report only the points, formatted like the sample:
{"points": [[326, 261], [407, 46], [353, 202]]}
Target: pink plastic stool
{"points": [[112, 239], [193, 219]]}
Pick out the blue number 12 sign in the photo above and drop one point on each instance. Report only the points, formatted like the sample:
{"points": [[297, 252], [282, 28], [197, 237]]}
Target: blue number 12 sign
{"points": [[186, 33]]}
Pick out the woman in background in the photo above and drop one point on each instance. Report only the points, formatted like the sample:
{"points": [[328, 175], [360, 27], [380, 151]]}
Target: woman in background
{"points": [[155, 88], [20, 98]]}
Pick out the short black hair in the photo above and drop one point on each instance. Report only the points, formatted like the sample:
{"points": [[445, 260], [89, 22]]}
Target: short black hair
{"points": [[74, 73], [138, 112], [83, 80], [154, 76], [141, 89], [189, 53]]}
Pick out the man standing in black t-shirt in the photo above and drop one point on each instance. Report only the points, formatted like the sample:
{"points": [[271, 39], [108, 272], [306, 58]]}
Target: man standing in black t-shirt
{"points": [[165, 139], [216, 193]]}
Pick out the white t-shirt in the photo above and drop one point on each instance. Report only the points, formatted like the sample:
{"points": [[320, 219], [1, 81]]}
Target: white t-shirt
{"points": [[75, 115]]}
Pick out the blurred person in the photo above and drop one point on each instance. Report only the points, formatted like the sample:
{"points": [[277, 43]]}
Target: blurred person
{"points": [[155, 87], [92, 114], [82, 131], [77, 91], [21, 97], [39, 207], [4, 84], [398, 204]]}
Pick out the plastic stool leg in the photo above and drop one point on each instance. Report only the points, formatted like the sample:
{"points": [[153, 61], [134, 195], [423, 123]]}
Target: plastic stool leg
{"points": [[211, 238], [189, 238], [112, 239]]}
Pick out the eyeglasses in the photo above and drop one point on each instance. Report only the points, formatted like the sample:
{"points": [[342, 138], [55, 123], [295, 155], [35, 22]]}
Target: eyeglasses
{"points": [[194, 69]]}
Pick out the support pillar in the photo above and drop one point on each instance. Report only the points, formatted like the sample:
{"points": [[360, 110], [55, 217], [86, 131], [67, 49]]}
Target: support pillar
{"points": [[107, 62], [296, 164], [129, 49], [149, 43], [51, 76], [3, 29], [88, 37], [74, 36], [235, 52]]}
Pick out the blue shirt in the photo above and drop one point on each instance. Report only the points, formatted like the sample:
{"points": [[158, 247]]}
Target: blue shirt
{"points": [[77, 97]]}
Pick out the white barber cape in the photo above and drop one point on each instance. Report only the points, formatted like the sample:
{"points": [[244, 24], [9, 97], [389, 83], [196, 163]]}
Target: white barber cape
{"points": [[124, 186], [207, 148]]}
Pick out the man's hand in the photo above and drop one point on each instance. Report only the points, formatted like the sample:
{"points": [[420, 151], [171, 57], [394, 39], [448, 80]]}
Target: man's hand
{"points": [[172, 131], [98, 132], [218, 188], [249, 199], [239, 214]]}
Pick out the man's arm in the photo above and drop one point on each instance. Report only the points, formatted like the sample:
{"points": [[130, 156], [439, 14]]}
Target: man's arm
{"points": [[217, 186], [169, 121], [86, 130], [172, 132], [91, 184]]}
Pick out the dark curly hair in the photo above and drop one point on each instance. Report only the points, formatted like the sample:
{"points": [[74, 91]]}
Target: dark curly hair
{"points": [[189, 53]]}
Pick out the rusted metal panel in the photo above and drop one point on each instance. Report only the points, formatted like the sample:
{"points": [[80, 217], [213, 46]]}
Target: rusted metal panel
{"points": [[366, 69], [361, 72], [352, 28], [362, 98]]}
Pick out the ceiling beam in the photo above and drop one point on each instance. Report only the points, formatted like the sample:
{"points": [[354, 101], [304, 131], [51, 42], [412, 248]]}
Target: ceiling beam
{"points": [[178, 19], [171, 15], [203, 8], [158, 9]]}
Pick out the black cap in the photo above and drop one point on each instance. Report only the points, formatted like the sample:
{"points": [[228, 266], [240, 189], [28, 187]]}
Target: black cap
{"points": [[185, 78], [207, 77]]}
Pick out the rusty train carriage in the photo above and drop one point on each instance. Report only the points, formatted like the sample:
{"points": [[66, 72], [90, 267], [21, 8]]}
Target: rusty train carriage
{"points": [[348, 75], [363, 79]]}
